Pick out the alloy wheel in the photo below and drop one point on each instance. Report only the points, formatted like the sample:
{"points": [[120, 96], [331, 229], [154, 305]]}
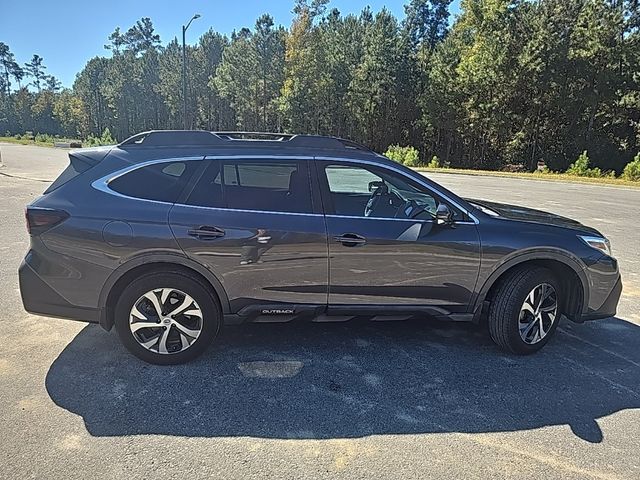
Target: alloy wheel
{"points": [[538, 313], [165, 320]]}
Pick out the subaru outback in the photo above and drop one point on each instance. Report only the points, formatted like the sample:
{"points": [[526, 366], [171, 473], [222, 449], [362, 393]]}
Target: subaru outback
{"points": [[171, 234]]}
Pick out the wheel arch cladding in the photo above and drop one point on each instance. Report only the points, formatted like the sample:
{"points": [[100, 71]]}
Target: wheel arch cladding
{"points": [[122, 276], [573, 281]]}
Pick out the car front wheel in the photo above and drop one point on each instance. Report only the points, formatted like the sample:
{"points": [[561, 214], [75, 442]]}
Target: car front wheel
{"points": [[524, 312], [167, 318]]}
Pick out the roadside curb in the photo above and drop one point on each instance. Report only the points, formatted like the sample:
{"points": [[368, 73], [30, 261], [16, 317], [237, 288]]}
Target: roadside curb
{"points": [[446, 171]]}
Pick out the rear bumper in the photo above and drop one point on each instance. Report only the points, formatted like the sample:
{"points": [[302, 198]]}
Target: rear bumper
{"points": [[39, 298], [608, 307]]}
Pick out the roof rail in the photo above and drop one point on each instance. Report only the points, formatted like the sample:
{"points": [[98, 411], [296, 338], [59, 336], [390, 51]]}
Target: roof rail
{"points": [[279, 137], [318, 141], [173, 138], [355, 145]]}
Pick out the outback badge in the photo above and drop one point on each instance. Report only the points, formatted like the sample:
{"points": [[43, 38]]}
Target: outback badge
{"points": [[277, 311]]}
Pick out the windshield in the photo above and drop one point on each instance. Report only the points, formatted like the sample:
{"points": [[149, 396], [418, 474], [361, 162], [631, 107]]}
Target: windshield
{"points": [[483, 208]]}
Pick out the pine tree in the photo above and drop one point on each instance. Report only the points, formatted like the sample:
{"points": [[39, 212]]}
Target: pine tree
{"points": [[35, 69], [306, 80]]}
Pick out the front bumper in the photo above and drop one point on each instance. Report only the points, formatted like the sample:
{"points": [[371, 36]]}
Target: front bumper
{"points": [[608, 307], [39, 298]]}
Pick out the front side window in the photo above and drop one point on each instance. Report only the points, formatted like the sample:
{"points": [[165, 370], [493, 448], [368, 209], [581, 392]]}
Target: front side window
{"points": [[160, 181], [267, 185], [358, 190]]}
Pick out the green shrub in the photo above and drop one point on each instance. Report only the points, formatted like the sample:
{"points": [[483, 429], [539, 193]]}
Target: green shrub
{"points": [[411, 157], [17, 136], [406, 155], [580, 167], [395, 153], [632, 170], [44, 138], [104, 139], [434, 162]]}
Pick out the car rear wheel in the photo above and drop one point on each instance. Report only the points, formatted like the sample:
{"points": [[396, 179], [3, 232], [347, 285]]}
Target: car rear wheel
{"points": [[524, 312], [167, 318]]}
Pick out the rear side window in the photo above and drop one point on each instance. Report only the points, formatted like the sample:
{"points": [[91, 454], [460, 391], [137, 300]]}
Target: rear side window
{"points": [[162, 182], [276, 186]]}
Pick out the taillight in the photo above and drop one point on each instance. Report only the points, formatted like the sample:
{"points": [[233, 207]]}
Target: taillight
{"points": [[40, 220]]}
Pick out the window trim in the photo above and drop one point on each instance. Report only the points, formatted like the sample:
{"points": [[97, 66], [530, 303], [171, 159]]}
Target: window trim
{"points": [[101, 183], [242, 210]]}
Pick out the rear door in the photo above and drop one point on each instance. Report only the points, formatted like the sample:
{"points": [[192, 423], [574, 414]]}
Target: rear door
{"points": [[256, 224], [385, 249]]}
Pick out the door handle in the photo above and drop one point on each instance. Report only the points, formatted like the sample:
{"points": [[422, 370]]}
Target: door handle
{"points": [[350, 239], [206, 232]]}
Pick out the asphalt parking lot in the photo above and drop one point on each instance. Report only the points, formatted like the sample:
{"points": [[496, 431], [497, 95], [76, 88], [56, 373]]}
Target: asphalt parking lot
{"points": [[375, 400]]}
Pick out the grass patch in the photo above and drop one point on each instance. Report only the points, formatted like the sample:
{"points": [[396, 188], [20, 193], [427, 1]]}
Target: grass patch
{"points": [[25, 141], [558, 177]]}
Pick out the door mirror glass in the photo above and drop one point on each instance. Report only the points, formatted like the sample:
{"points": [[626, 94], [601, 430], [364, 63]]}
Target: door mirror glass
{"points": [[444, 216]]}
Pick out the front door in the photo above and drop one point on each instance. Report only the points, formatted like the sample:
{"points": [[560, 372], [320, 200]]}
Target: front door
{"points": [[255, 225], [385, 247]]}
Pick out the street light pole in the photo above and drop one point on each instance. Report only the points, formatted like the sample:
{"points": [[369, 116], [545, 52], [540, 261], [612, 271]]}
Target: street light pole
{"points": [[184, 70]]}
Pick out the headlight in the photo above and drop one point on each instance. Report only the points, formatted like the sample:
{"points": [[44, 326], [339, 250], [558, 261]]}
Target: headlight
{"points": [[599, 243]]}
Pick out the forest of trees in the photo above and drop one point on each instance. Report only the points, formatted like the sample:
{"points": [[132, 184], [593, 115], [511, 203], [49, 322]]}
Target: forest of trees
{"points": [[507, 82]]}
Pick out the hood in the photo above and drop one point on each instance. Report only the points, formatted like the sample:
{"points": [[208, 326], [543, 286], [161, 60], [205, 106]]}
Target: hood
{"points": [[524, 214]]}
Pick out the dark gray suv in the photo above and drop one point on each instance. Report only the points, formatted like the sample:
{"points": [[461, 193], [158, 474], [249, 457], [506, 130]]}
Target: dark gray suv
{"points": [[172, 233]]}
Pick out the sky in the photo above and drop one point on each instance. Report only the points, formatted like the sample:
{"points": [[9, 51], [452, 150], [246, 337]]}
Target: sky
{"points": [[67, 33]]}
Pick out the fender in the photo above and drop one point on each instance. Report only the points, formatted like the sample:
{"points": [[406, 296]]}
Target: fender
{"points": [[159, 257], [521, 256]]}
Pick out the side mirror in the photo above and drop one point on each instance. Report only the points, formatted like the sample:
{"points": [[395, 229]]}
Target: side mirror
{"points": [[444, 216]]}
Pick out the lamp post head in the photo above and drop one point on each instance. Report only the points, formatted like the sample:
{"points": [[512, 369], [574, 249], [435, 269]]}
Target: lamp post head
{"points": [[184, 70], [184, 28]]}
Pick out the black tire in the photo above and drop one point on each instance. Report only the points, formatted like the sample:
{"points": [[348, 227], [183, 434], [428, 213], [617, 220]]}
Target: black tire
{"points": [[191, 285], [506, 305]]}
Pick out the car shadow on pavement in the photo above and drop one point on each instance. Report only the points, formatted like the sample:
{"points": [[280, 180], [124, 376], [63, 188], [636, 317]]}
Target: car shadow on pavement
{"points": [[351, 380]]}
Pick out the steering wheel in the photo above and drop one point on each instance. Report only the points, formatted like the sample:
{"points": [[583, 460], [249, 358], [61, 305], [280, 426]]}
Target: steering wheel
{"points": [[377, 196], [383, 202], [410, 209]]}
